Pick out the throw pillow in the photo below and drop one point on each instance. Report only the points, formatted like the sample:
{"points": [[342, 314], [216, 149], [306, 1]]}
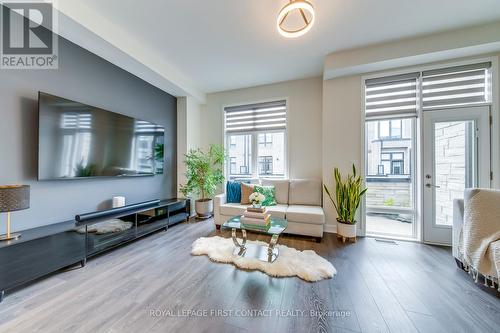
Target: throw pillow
{"points": [[233, 192], [270, 194], [246, 190]]}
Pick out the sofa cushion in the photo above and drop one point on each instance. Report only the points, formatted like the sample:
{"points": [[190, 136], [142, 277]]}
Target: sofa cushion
{"points": [[246, 190], [277, 210], [281, 189], [231, 209], [305, 214], [305, 192], [268, 192]]}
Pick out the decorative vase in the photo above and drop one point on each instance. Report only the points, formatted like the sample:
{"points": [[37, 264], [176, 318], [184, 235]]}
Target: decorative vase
{"points": [[256, 205], [204, 208], [346, 230]]}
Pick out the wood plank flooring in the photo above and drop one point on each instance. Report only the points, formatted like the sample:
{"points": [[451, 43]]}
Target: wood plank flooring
{"points": [[155, 285]]}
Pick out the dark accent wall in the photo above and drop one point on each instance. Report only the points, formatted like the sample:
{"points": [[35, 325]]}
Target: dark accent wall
{"points": [[87, 78]]}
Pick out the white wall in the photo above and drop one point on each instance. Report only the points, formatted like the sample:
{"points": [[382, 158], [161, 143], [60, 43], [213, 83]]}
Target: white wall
{"points": [[440, 46], [304, 120], [188, 134]]}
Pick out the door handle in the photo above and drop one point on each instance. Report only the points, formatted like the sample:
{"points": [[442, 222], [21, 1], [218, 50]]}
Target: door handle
{"points": [[429, 185]]}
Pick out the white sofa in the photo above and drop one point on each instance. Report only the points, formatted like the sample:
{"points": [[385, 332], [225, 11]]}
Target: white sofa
{"points": [[299, 201]]}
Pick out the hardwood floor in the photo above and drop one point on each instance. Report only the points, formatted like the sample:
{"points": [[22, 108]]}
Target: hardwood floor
{"points": [[150, 285]]}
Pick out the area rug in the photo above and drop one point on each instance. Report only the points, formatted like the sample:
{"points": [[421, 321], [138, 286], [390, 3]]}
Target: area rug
{"points": [[306, 265]]}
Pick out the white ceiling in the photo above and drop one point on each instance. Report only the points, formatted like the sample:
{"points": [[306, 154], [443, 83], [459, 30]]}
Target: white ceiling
{"points": [[219, 45]]}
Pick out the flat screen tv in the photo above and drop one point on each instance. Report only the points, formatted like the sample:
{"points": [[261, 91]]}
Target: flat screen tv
{"points": [[81, 141]]}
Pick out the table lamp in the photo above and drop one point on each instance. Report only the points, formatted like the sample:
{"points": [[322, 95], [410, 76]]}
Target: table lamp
{"points": [[12, 198]]}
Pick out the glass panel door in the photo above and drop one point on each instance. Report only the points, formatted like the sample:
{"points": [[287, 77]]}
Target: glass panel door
{"points": [[456, 157], [455, 166]]}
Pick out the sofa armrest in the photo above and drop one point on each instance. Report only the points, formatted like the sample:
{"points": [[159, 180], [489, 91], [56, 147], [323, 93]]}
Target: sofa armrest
{"points": [[458, 221], [220, 199]]}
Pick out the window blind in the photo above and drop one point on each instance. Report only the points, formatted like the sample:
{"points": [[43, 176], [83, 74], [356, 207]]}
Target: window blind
{"points": [[256, 117], [391, 96], [76, 121], [457, 85]]}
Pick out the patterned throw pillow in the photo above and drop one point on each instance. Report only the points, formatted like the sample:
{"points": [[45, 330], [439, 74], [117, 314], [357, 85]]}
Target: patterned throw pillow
{"points": [[233, 192], [246, 190], [269, 192]]}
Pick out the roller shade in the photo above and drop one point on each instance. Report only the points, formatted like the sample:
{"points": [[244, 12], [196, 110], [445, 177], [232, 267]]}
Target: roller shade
{"points": [[391, 96], [459, 85], [256, 117]]}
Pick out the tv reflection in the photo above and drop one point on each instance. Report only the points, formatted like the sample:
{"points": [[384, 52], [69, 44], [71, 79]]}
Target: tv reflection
{"points": [[90, 148]]}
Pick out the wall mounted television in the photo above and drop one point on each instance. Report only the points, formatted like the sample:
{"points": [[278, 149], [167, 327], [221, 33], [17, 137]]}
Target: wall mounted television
{"points": [[78, 141]]}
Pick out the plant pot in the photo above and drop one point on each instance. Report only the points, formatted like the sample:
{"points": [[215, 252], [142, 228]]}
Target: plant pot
{"points": [[257, 205], [346, 230], [204, 208]]}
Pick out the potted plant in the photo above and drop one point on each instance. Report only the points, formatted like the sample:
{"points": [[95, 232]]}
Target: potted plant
{"points": [[204, 172], [348, 196]]}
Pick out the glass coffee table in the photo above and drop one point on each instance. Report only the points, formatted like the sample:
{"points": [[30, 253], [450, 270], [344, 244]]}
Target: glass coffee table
{"points": [[269, 253]]}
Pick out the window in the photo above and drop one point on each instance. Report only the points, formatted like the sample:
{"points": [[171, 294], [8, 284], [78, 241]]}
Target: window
{"points": [[397, 167], [240, 155], [265, 140], [256, 137], [390, 204], [393, 162], [391, 105], [390, 129], [265, 165]]}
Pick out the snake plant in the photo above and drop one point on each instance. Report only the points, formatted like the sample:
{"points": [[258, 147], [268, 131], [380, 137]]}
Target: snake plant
{"points": [[348, 195]]}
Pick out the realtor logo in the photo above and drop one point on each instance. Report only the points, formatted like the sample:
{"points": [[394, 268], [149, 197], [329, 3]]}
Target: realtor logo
{"points": [[28, 39]]}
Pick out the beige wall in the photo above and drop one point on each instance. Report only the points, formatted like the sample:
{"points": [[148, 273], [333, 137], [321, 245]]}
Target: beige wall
{"points": [[304, 120], [341, 123]]}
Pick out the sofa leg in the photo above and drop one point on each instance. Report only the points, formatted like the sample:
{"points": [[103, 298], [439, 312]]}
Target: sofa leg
{"points": [[319, 239], [459, 264]]}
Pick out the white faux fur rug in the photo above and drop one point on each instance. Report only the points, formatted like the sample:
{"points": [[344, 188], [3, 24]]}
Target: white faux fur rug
{"points": [[307, 265]]}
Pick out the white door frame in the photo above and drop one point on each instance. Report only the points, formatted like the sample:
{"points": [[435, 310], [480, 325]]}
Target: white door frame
{"points": [[440, 234]]}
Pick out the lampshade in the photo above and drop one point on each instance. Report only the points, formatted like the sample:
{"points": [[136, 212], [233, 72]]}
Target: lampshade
{"points": [[14, 197]]}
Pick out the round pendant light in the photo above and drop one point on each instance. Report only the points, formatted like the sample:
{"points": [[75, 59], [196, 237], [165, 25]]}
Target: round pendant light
{"points": [[302, 6]]}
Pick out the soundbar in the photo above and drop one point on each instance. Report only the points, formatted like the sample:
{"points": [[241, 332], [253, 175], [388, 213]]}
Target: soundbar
{"points": [[87, 217]]}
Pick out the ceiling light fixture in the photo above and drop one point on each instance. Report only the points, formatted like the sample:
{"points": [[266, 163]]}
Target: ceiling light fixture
{"points": [[302, 6]]}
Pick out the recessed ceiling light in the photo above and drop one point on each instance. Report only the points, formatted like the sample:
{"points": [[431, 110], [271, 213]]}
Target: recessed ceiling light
{"points": [[305, 9]]}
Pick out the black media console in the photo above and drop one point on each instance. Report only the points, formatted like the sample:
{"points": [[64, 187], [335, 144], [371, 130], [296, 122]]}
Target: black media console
{"points": [[46, 249]]}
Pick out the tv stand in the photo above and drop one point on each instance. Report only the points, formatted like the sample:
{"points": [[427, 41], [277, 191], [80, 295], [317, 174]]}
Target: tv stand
{"points": [[107, 229], [43, 250]]}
